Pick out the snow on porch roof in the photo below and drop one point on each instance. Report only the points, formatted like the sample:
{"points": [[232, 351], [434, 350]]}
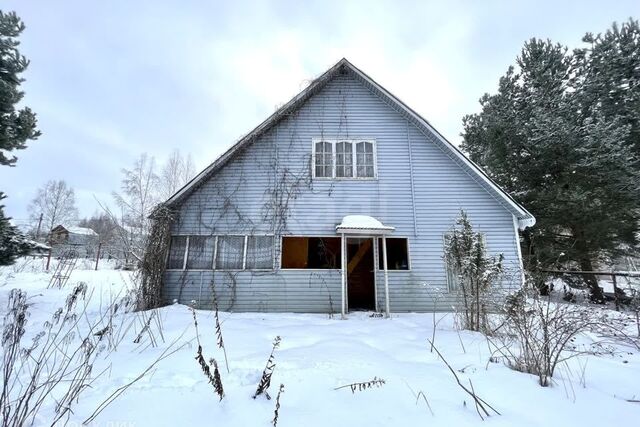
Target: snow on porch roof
{"points": [[362, 224]]}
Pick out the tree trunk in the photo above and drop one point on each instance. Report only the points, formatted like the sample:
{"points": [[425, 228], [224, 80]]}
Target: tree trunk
{"points": [[595, 292]]}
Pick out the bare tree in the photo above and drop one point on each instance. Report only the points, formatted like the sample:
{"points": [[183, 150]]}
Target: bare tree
{"points": [[138, 198], [175, 173], [56, 202]]}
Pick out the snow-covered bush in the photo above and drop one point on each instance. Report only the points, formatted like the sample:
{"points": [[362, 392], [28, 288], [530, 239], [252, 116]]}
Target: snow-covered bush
{"points": [[473, 271]]}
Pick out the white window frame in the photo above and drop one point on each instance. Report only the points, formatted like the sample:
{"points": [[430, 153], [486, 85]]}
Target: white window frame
{"points": [[273, 252], [215, 252], [186, 256], [244, 252], [185, 253], [353, 142]]}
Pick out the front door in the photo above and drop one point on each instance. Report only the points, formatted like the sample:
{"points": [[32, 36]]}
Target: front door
{"points": [[360, 274]]}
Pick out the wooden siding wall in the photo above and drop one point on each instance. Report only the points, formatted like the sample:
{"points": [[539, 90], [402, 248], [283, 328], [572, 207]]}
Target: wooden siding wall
{"points": [[274, 173]]}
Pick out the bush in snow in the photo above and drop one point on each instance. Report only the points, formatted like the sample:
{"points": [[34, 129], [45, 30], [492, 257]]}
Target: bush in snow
{"points": [[473, 272], [538, 333]]}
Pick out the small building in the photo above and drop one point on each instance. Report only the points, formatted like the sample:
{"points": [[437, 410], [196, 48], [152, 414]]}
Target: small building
{"points": [[83, 240], [298, 215], [38, 249]]}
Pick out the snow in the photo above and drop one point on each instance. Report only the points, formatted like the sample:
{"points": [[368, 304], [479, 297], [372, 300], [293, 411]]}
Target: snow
{"points": [[81, 230], [362, 222], [318, 354]]}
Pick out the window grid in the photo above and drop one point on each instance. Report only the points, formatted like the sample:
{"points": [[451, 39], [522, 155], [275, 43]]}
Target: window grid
{"points": [[344, 159], [240, 252]]}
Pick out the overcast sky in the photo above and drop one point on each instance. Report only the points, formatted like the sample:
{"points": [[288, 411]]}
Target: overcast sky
{"points": [[110, 80]]}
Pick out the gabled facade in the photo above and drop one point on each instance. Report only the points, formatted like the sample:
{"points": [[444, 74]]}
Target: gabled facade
{"points": [[296, 216]]}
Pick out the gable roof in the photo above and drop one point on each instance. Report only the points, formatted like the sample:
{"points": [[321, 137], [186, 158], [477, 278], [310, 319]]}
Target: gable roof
{"points": [[525, 219]]}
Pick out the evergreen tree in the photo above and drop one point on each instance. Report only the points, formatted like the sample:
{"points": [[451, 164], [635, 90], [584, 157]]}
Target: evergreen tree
{"points": [[574, 167], [12, 243], [16, 126]]}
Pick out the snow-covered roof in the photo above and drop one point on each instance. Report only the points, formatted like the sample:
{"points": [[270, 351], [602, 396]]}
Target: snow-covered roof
{"points": [[524, 218], [362, 224], [81, 231], [38, 245]]}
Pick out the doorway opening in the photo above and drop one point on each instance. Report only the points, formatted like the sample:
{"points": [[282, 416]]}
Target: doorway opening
{"points": [[360, 274]]}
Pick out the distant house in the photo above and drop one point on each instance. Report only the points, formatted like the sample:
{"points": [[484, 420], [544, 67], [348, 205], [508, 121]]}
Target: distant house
{"points": [[83, 240], [298, 214]]}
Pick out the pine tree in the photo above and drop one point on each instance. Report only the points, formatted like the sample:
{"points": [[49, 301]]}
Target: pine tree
{"points": [[16, 126], [573, 166], [12, 243]]}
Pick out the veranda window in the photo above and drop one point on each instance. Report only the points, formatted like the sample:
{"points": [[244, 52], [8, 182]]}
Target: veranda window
{"points": [[177, 249], [200, 255], [397, 253], [259, 253], [230, 253]]}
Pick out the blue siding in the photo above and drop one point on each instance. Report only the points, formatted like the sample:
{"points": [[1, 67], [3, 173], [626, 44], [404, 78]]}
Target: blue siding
{"points": [[274, 173]]}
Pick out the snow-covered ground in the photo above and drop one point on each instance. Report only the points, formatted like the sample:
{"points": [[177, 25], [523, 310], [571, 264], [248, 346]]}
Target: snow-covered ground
{"points": [[318, 354]]}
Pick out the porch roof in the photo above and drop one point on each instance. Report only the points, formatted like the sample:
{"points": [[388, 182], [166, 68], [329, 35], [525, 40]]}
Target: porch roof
{"points": [[363, 224]]}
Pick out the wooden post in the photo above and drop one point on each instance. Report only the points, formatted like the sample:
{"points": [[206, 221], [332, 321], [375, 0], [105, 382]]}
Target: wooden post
{"points": [[39, 225], [98, 256], [386, 275], [615, 292], [48, 260], [343, 265]]}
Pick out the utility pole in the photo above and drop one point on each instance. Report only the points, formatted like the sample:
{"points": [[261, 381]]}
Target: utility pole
{"points": [[39, 224]]}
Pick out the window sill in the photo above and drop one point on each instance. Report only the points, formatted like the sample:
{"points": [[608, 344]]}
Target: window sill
{"points": [[345, 179]]}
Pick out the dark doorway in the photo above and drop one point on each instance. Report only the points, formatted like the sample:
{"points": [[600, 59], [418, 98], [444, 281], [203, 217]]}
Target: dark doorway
{"points": [[360, 274]]}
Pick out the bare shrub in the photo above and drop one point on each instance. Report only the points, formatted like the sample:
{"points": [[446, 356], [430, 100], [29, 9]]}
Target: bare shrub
{"points": [[538, 333], [265, 380], [482, 407], [55, 368]]}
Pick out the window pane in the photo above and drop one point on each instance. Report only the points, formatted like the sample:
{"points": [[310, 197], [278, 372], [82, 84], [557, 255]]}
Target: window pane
{"points": [[364, 159], [260, 253], [200, 254], [311, 252], [397, 254], [323, 154], [176, 252], [230, 253], [344, 160]]}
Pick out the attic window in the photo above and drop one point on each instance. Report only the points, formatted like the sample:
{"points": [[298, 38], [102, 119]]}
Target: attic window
{"points": [[344, 159]]}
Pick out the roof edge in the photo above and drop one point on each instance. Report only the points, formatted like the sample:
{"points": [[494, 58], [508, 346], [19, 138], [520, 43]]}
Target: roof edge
{"points": [[525, 218]]}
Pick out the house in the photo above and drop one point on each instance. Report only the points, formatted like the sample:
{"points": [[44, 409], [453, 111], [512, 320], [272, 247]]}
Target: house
{"points": [[296, 216], [83, 240]]}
